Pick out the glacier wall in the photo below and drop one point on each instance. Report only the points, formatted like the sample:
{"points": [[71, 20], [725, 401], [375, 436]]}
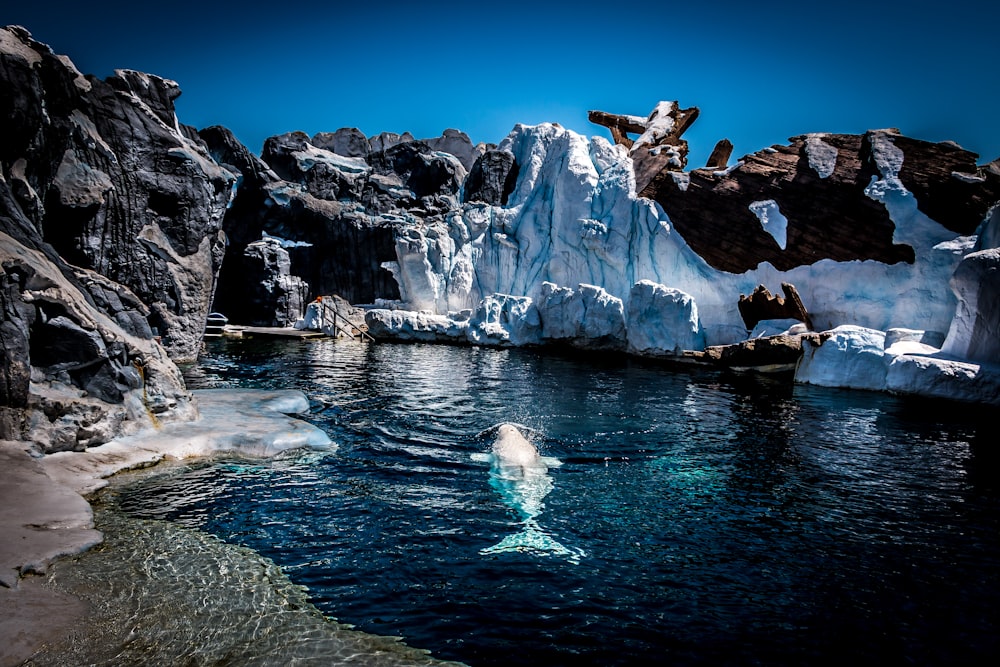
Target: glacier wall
{"points": [[574, 219]]}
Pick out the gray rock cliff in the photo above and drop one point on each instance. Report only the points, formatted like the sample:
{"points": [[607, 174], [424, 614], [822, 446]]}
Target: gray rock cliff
{"points": [[106, 175]]}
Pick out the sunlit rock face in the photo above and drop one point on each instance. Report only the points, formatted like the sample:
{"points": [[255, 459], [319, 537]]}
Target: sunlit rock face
{"points": [[78, 370], [105, 173]]}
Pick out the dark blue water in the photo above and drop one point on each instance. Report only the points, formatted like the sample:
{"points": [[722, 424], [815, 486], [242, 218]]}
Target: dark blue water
{"points": [[724, 520]]}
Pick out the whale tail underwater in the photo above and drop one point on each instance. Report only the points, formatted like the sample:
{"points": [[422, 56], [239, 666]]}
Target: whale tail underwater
{"points": [[521, 477], [533, 540]]}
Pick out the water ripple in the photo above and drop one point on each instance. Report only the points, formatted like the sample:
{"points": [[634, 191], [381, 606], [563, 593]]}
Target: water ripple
{"points": [[726, 519]]}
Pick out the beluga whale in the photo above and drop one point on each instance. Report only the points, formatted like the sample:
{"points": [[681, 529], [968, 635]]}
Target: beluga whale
{"points": [[520, 475]]}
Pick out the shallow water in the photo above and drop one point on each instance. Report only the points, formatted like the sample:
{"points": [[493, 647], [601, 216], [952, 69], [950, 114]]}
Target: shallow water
{"points": [[162, 594], [708, 518]]}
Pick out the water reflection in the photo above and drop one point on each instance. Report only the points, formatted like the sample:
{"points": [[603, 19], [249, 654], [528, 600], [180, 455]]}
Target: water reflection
{"points": [[726, 519]]}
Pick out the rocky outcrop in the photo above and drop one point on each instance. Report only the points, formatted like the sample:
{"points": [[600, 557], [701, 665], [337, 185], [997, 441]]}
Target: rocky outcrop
{"points": [[762, 305], [73, 377], [336, 214], [492, 178], [821, 186], [278, 297], [780, 353], [109, 178], [720, 155]]}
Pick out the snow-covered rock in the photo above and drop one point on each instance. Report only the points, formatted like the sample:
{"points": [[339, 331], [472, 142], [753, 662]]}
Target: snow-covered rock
{"points": [[498, 320], [501, 319], [853, 357], [940, 377], [975, 329], [662, 321], [849, 356], [414, 326], [822, 156], [586, 317], [573, 217]]}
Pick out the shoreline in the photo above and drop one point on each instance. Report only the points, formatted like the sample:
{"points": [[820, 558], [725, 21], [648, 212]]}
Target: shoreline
{"points": [[151, 590], [46, 516], [157, 591]]}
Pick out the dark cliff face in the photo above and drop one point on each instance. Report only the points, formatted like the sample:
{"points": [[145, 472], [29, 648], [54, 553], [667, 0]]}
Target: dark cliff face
{"points": [[106, 175], [335, 214], [79, 361], [819, 185], [335, 248]]}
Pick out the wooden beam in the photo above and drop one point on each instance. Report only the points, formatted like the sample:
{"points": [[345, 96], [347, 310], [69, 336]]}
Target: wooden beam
{"points": [[616, 121], [621, 138], [720, 156], [685, 117]]}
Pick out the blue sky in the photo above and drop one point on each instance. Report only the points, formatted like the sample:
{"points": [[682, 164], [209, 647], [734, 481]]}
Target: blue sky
{"points": [[760, 71]]}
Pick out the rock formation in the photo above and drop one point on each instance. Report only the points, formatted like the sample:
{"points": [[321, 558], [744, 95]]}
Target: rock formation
{"points": [[820, 185], [547, 238], [73, 375], [335, 203], [107, 176], [280, 298], [762, 305]]}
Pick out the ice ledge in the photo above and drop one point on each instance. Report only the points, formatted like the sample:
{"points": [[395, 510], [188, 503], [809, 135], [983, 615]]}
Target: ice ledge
{"points": [[42, 513], [244, 422]]}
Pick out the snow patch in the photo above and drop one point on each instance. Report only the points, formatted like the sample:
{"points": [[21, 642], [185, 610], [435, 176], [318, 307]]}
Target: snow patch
{"points": [[284, 243], [682, 180], [771, 220], [822, 156], [659, 125], [968, 178]]}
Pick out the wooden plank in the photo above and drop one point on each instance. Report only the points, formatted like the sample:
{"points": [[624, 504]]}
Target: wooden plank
{"points": [[279, 332], [612, 120]]}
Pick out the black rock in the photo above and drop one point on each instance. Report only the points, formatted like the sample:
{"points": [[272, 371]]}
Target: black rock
{"points": [[492, 178], [107, 176]]}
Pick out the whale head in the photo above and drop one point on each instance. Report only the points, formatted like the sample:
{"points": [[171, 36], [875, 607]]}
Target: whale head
{"points": [[511, 448]]}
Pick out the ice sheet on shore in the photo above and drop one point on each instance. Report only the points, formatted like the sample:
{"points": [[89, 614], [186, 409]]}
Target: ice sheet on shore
{"points": [[248, 422], [896, 361]]}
